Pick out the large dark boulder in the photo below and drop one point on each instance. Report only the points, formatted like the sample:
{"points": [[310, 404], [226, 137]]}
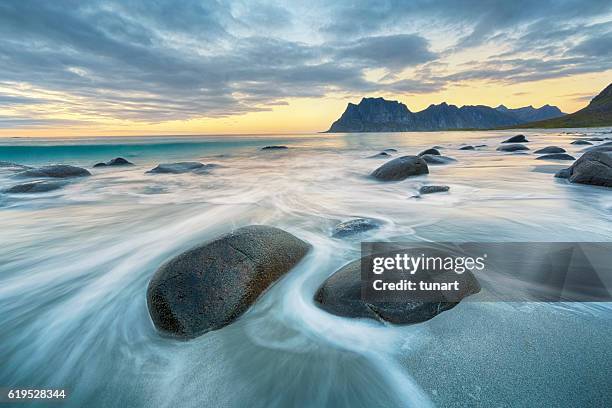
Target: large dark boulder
{"points": [[512, 148], [556, 156], [56, 171], [117, 161], [211, 285], [550, 150], [181, 167], [354, 227], [35, 187], [593, 167], [401, 168], [341, 295], [432, 159], [516, 139]]}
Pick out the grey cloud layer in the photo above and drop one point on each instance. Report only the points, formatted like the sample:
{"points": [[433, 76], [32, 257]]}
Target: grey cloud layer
{"points": [[164, 60]]}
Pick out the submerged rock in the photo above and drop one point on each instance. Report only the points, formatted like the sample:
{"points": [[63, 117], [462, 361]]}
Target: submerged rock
{"points": [[596, 139], [517, 139], [433, 189], [401, 168], [211, 285], [340, 294], [581, 142], [556, 156], [56, 171], [432, 151], [274, 147], [381, 155], [35, 187], [550, 149], [354, 227], [181, 167], [468, 147], [512, 148], [593, 167], [13, 166], [117, 161], [430, 159], [390, 150]]}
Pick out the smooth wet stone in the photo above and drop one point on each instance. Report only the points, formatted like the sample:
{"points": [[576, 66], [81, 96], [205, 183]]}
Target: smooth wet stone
{"points": [[274, 147], [390, 150], [433, 189], [340, 295], [581, 142], [512, 148], [517, 139], [381, 155], [213, 284], [401, 168], [550, 150], [481, 145], [181, 167], [56, 171], [556, 156], [117, 161], [596, 139], [469, 147], [432, 151], [594, 167], [430, 159], [354, 227], [35, 187]]}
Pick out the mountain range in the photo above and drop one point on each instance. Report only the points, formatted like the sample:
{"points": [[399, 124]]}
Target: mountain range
{"points": [[381, 115], [597, 113]]}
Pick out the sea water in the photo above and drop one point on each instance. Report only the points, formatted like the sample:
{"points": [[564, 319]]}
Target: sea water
{"points": [[75, 264]]}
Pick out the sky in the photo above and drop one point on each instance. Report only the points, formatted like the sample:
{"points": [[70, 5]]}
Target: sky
{"points": [[144, 67]]}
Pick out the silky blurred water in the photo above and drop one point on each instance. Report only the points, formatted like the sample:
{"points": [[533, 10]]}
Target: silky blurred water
{"points": [[75, 264]]}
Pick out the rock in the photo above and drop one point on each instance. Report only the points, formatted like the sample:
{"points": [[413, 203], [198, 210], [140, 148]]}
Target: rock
{"points": [[512, 148], [211, 285], [340, 294], [432, 151], [181, 167], [596, 139], [469, 147], [390, 150], [117, 161], [556, 156], [381, 155], [481, 145], [401, 168], [550, 149], [56, 171], [433, 189], [13, 166], [517, 139], [593, 167], [437, 159], [354, 227], [581, 142], [35, 187], [274, 148]]}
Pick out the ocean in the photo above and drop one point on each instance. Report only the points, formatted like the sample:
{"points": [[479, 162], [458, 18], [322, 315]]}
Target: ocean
{"points": [[75, 264]]}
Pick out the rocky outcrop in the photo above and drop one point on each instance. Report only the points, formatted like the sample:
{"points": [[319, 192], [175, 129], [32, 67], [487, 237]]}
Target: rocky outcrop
{"points": [[512, 148], [355, 227], [550, 150], [211, 285], [593, 167], [56, 171], [556, 156], [341, 295], [516, 139], [35, 187], [401, 168], [181, 167], [117, 161]]}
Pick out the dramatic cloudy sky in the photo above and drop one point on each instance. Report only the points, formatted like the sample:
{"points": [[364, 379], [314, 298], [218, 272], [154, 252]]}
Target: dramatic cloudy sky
{"points": [[145, 67]]}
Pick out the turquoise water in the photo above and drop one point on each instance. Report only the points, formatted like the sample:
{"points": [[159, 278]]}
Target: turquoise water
{"points": [[75, 263]]}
